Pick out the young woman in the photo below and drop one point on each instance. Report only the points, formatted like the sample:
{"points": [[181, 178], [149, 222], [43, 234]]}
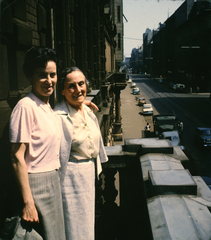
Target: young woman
{"points": [[35, 142]]}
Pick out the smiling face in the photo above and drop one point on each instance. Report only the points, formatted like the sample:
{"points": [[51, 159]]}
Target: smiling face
{"points": [[75, 89], [44, 81]]}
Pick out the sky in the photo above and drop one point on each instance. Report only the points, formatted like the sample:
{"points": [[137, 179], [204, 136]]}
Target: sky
{"points": [[143, 14]]}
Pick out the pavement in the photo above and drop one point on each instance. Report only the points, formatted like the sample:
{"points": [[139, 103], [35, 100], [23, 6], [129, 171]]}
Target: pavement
{"points": [[133, 122]]}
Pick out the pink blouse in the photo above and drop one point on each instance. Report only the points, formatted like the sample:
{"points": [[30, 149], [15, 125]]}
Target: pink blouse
{"points": [[34, 122]]}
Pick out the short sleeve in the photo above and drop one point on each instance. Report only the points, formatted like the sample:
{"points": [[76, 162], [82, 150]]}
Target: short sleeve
{"points": [[21, 123]]}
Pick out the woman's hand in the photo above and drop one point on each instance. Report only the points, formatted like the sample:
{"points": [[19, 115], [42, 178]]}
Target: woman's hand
{"points": [[29, 212], [91, 105]]}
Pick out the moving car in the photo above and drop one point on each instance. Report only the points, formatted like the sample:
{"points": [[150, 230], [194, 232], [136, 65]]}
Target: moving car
{"points": [[141, 101], [136, 91], [173, 137], [147, 109], [202, 136]]}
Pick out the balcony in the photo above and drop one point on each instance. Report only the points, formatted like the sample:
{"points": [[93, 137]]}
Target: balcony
{"points": [[147, 192]]}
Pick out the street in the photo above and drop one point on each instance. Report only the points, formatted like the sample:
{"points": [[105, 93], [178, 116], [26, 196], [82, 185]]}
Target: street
{"points": [[194, 110]]}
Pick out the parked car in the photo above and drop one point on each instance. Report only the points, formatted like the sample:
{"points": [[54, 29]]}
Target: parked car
{"points": [[136, 91], [147, 109], [129, 80], [172, 85], [141, 101], [133, 84], [202, 136], [173, 137], [180, 87], [207, 180]]}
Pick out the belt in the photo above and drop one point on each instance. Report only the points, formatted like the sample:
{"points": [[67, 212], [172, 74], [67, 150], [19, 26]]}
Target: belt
{"points": [[75, 160]]}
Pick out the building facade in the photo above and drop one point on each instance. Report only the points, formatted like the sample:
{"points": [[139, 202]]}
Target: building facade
{"points": [[83, 34], [181, 51], [118, 19]]}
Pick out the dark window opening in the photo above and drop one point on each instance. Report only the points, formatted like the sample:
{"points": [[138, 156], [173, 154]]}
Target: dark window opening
{"points": [[118, 14]]}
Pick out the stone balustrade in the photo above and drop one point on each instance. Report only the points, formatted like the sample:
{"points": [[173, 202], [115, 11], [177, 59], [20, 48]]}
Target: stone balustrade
{"points": [[146, 192]]}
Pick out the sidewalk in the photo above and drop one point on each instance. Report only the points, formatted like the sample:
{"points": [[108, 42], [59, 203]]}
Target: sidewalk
{"points": [[132, 122]]}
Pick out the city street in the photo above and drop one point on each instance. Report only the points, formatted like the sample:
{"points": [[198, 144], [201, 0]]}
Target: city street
{"points": [[194, 110]]}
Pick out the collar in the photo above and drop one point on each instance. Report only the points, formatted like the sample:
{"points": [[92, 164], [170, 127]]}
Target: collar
{"points": [[45, 106], [62, 109]]}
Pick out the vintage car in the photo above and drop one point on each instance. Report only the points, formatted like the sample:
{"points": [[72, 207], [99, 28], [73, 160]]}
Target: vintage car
{"points": [[147, 109], [136, 91], [165, 122], [172, 85], [133, 84], [202, 136], [180, 87], [173, 137], [141, 101], [129, 80]]}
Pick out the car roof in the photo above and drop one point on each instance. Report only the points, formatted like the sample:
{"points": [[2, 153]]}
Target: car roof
{"points": [[170, 133], [203, 128], [147, 105], [165, 117]]}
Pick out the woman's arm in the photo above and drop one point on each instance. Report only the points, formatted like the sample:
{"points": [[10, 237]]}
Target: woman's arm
{"points": [[29, 212], [91, 105]]}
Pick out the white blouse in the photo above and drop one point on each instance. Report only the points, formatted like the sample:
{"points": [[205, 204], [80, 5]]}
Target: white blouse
{"points": [[86, 135]]}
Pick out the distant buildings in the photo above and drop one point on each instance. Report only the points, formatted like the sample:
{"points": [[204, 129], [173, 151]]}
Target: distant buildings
{"points": [[180, 49]]}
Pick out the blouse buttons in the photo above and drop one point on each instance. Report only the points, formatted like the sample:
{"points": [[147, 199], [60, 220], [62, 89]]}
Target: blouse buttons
{"points": [[85, 124]]}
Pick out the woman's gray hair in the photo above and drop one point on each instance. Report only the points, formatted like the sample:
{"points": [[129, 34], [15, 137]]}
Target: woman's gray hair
{"points": [[64, 74]]}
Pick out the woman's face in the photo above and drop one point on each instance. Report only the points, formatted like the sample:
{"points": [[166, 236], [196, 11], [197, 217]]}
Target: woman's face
{"points": [[75, 89], [44, 81]]}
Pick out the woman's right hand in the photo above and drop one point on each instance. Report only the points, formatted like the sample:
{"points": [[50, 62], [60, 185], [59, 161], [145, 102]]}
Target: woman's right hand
{"points": [[29, 213]]}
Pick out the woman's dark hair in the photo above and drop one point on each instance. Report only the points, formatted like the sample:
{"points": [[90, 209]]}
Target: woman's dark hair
{"points": [[38, 57]]}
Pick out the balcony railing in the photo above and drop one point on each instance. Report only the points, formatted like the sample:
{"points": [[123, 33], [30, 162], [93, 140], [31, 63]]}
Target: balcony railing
{"points": [[146, 192]]}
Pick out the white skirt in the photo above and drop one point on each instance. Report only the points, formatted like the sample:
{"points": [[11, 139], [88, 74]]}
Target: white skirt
{"points": [[78, 194]]}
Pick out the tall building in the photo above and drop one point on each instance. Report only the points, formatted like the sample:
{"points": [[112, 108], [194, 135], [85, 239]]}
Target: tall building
{"points": [[82, 32], [118, 20]]}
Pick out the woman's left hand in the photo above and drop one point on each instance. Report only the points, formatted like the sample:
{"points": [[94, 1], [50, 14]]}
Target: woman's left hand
{"points": [[91, 105]]}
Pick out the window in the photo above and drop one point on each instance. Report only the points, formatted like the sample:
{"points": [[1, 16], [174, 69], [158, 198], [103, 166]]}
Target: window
{"points": [[118, 14], [119, 41]]}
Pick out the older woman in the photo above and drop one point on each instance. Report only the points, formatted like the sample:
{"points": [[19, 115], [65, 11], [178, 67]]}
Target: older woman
{"points": [[35, 142], [81, 150]]}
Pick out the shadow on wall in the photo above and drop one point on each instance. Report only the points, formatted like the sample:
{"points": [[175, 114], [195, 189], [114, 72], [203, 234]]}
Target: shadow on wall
{"points": [[8, 187]]}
